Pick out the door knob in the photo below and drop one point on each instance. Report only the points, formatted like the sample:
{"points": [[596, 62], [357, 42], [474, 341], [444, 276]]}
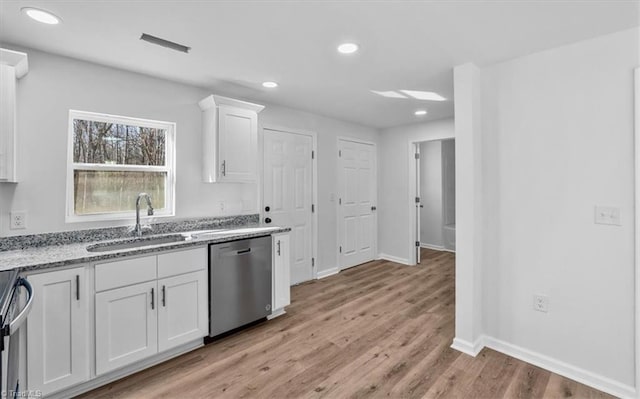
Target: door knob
{"points": [[267, 220], [267, 209], [373, 208]]}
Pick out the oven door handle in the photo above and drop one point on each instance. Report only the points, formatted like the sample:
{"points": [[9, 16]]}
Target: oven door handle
{"points": [[19, 320]]}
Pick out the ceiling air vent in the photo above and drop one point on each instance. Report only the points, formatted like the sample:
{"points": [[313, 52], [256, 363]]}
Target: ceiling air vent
{"points": [[164, 43]]}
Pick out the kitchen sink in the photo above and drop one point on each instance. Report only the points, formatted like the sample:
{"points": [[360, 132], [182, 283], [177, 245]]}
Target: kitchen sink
{"points": [[137, 243]]}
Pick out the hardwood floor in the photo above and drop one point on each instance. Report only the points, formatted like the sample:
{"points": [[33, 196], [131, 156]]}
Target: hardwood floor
{"points": [[376, 330]]}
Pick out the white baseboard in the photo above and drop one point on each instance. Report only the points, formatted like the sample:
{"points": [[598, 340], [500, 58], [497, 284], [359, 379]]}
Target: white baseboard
{"points": [[125, 371], [471, 349], [327, 273], [276, 313], [395, 259], [593, 380], [436, 247], [431, 246]]}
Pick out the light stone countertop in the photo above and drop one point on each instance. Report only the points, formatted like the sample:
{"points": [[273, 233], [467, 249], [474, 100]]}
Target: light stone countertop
{"points": [[53, 256]]}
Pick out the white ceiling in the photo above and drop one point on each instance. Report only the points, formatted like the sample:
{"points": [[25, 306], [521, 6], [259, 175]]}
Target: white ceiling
{"points": [[236, 45]]}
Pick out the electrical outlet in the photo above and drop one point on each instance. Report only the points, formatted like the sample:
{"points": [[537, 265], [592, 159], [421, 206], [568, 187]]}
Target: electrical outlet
{"points": [[18, 220], [541, 303]]}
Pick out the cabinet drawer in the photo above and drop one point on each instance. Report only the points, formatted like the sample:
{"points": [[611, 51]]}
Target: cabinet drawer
{"points": [[180, 262], [125, 272]]}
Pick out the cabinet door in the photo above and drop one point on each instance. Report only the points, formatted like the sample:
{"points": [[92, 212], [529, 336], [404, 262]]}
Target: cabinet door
{"points": [[238, 144], [7, 123], [58, 331], [182, 309], [281, 286], [126, 326]]}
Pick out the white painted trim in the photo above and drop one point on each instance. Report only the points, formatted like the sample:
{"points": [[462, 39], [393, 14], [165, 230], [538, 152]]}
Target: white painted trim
{"points": [[431, 246], [276, 313], [327, 273], [16, 59], [586, 377], [314, 185], [471, 349], [395, 259], [214, 100], [125, 371], [637, 226], [436, 247], [169, 168], [375, 199], [413, 187]]}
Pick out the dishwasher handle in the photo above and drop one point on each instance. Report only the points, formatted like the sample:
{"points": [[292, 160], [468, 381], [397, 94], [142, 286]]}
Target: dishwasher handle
{"points": [[22, 316], [243, 251]]}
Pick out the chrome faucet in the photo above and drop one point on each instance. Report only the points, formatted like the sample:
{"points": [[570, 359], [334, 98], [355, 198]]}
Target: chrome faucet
{"points": [[137, 231]]}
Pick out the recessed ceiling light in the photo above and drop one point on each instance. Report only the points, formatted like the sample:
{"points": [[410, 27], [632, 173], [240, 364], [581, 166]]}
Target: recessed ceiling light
{"points": [[41, 15], [420, 112], [270, 85], [348, 48]]}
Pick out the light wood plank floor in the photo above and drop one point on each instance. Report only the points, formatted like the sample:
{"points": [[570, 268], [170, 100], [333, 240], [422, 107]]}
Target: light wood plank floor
{"points": [[376, 330]]}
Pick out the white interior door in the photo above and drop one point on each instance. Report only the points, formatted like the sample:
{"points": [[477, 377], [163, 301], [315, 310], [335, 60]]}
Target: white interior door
{"points": [[357, 227], [288, 195]]}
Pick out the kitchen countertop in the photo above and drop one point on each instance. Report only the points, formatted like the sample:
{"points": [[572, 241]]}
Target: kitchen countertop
{"points": [[46, 257]]}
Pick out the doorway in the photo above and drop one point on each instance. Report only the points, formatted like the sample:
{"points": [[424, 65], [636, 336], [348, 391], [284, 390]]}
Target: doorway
{"points": [[289, 184], [435, 216], [357, 198]]}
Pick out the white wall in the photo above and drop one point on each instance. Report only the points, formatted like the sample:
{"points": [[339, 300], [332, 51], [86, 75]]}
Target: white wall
{"points": [[56, 84], [558, 140], [431, 214], [396, 211]]}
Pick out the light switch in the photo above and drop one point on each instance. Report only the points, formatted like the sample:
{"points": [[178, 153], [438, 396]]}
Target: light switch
{"points": [[607, 215]]}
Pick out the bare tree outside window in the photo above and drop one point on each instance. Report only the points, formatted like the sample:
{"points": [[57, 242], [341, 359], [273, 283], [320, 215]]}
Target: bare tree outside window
{"points": [[113, 162]]}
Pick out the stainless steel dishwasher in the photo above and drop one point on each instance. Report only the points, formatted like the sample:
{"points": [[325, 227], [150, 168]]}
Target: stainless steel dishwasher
{"points": [[239, 283]]}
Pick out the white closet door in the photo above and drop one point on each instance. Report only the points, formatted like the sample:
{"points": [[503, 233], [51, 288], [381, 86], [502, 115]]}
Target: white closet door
{"points": [[357, 225]]}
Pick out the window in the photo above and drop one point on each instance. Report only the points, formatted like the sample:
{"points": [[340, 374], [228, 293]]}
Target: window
{"points": [[112, 159]]}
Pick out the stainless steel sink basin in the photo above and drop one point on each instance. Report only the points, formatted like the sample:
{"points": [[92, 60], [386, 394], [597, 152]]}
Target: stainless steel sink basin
{"points": [[137, 243]]}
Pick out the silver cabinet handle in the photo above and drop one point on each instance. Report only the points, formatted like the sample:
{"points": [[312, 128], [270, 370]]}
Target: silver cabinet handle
{"points": [[278, 247], [164, 296], [153, 304], [18, 320], [224, 168]]}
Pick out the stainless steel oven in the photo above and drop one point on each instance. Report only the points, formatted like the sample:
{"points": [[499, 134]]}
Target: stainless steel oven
{"points": [[12, 317]]}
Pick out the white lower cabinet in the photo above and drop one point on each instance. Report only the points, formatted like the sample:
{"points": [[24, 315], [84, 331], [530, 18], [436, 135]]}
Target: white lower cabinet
{"points": [[182, 309], [58, 331], [149, 305], [281, 265], [126, 326]]}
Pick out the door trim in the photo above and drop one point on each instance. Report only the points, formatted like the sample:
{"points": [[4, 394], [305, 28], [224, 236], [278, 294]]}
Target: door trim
{"points": [[340, 267], [314, 186], [636, 137]]}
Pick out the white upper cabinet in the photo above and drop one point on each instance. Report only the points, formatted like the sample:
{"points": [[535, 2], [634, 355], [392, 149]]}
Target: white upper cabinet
{"points": [[13, 66], [229, 139]]}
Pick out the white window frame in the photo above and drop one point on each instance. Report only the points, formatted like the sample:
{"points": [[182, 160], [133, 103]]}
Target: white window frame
{"points": [[169, 168]]}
